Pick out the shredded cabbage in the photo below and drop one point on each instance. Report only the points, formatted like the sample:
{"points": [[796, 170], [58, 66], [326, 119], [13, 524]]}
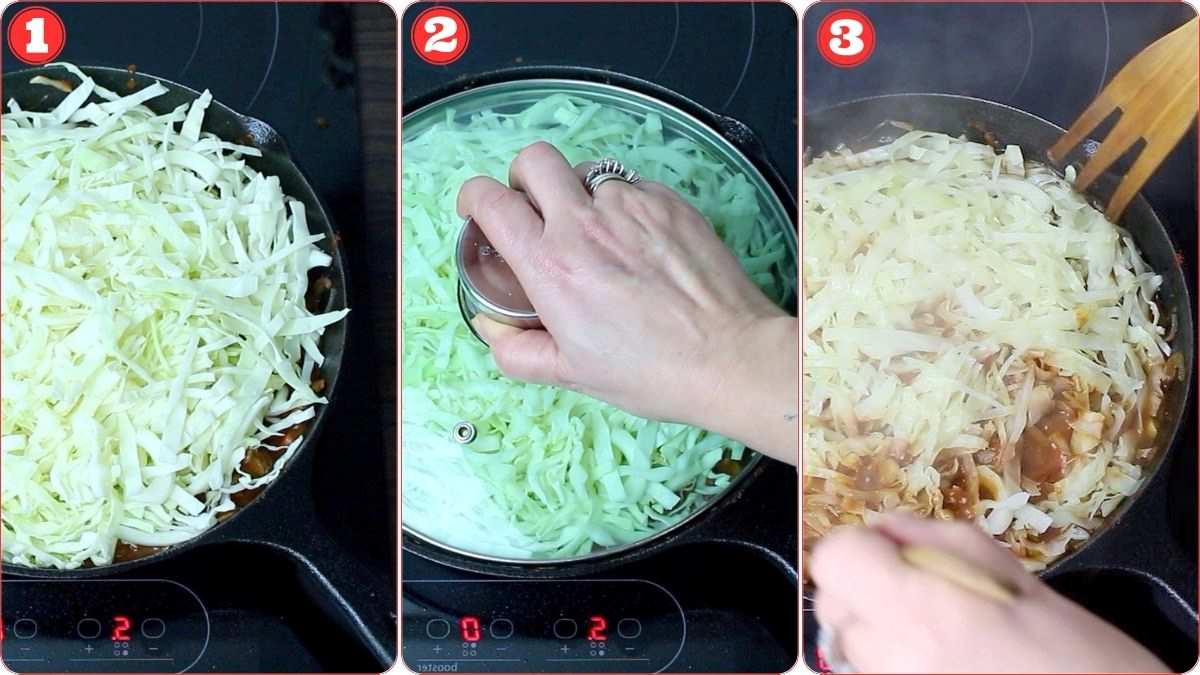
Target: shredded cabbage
{"points": [[154, 324], [552, 473], [980, 343]]}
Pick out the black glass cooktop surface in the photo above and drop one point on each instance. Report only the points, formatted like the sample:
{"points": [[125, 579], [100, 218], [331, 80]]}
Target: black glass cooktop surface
{"points": [[736, 59], [325, 601], [1051, 59], [721, 605]]}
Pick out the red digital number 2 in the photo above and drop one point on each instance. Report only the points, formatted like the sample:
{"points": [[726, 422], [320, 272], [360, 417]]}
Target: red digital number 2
{"points": [[120, 632], [596, 627]]}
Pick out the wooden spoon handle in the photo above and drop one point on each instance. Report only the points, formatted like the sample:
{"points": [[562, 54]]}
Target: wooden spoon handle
{"points": [[958, 571], [935, 561]]}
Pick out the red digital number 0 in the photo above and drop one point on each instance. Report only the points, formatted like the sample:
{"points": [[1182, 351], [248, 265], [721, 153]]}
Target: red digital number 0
{"points": [[596, 627], [846, 38], [469, 625], [120, 632]]}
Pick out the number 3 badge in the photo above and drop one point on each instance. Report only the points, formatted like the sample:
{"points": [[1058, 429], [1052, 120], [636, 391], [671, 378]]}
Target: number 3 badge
{"points": [[440, 35], [846, 38]]}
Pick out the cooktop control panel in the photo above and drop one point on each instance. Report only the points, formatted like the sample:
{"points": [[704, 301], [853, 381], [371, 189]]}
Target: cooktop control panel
{"points": [[102, 626], [505, 625]]}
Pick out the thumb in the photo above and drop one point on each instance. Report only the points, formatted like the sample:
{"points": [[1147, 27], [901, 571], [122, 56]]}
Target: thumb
{"points": [[522, 354]]}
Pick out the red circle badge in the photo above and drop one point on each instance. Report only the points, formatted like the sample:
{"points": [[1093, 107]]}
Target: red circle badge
{"points": [[846, 38], [36, 35], [440, 35]]}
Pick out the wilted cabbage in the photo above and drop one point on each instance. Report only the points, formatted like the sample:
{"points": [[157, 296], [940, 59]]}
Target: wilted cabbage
{"points": [[971, 318]]}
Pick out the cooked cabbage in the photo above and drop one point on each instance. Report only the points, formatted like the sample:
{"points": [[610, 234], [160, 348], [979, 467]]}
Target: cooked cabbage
{"points": [[980, 343], [154, 324], [552, 473]]}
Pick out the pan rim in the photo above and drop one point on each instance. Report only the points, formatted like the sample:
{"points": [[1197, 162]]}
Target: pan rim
{"points": [[1154, 471], [211, 535], [535, 76]]}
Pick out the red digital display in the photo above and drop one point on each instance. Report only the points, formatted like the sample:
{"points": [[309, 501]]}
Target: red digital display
{"points": [[469, 626], [596, 627], [120, 631]]}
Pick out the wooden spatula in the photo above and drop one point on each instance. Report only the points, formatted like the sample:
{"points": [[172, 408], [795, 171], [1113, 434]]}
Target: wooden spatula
{"points": [[958, 571], [1156, 94], [953, 569]]}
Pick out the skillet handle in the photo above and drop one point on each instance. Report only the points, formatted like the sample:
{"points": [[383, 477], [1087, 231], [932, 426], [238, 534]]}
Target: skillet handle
{"points": [[742, 136], [744, 139], [1146, 539], [349, 583], [346, 583], [761, 516], [1139, 576]]}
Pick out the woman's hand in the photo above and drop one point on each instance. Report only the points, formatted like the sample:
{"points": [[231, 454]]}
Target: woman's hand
{"points": [[889, 617], [643, 305]]}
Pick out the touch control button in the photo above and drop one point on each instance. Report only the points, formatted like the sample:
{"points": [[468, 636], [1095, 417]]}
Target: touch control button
{"points": [[89, 629], [153, 628], [565, 629], [438, 629], [629, 628], [24, 628], [501, 629]]}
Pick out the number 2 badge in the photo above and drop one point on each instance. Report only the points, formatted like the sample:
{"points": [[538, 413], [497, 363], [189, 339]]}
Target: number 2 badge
{"points": [[440, 35], [846, 38]]}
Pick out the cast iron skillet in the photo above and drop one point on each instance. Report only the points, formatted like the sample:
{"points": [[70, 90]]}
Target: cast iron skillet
{"points": [[277, 516], [1131, 538], [736, 517], [733, 130]]}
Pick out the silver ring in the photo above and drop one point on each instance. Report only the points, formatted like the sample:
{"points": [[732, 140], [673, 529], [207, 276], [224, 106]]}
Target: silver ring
{"points": [[606, 170]]}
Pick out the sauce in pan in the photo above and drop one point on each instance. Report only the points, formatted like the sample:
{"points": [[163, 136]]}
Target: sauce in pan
{"points": [[258, 461]]}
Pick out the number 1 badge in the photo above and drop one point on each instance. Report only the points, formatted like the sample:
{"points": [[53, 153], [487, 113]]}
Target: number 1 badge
{"points": [[36, 35]]}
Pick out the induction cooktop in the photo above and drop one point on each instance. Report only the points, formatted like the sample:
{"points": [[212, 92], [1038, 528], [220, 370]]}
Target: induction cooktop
{"points": [[729, 603], [1051, 59], [326, 603]]}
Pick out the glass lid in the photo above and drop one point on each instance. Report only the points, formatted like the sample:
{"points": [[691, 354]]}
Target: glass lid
{"points": [[504, 470]]}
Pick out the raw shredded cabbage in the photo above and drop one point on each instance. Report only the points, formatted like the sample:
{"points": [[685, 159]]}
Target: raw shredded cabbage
{"points": [[154, 324], [980, 343], [552, 473]]}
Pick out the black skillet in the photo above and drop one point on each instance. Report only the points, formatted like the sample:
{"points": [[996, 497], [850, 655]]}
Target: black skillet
{"points": [[733, 130], [752, 513], [1135, 538], [283, 516]]}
